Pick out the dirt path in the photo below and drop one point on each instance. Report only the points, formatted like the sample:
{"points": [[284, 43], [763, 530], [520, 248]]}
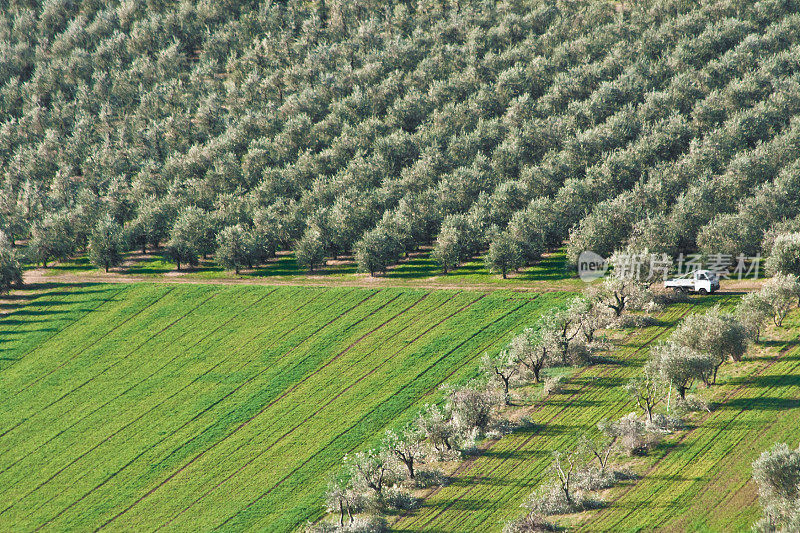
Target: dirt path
{"points": [[38, 277]]}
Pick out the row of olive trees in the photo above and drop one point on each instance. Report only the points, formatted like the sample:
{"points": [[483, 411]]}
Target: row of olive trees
{"points": [[377, 480]]}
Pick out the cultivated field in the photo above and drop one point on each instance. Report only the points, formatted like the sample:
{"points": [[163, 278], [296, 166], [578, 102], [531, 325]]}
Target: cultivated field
{"points": [[691, 472], [145, 406]]}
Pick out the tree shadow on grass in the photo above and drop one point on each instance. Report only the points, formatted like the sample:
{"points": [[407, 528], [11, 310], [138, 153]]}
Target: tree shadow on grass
{"points": [[764, 403]]}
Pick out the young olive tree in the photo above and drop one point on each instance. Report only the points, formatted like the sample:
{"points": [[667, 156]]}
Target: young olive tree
{"points": [[753, 311], [408, 447], [371, 469], [777, 474], [715, 333], [473, 407], [502, 366], [536, 349], [781, 290], [598, 448], [619, 294], [106, 243], [647, 391], [343, 499], [589, 316], [679, 366], [436, 423]]}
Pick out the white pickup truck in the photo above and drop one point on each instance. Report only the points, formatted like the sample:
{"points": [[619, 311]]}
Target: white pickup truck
{"points": [[699, 281]]}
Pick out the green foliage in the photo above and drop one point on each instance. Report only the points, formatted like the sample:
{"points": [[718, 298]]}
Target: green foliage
{"points": [[52, 238], [504, 255], [777, 473], [310, 250], [106, 243], [376, 251], [784, 257], [10, 271], [232, 250]]}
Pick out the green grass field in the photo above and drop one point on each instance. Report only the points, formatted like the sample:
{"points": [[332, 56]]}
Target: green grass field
{"points": [[137, 407]]}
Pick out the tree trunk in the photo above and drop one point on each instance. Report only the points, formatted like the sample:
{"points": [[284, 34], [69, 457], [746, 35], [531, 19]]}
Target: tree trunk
{"points": [[682, 392], [410, 465], [106, 268], [505, 388]]}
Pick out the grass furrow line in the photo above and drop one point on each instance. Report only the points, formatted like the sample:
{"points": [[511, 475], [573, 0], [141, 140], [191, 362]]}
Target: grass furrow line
{"points": [[731, 443], [198, 415], [328, 402], [342, 392]]}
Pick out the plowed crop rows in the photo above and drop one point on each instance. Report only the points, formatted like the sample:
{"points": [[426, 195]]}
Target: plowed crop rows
{"points": [[141, 407]]}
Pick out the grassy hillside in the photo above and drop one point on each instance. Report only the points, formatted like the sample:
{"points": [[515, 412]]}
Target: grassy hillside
{"points": [[140, 406]]}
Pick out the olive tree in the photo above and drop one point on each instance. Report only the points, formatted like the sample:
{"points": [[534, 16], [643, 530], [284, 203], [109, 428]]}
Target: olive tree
{"points": [[647, 391], [777, 474], [536, 348], [310, 249], [377, 250], [781, 291], [504, 255], [785, 255], [503, 366], [371, 469], [407, 446], [232, 251], [342, 498], [753, 311], [106, 243], [436, 423], [473, 407], [52, 238], [679, 366], [718, 334], [589, 316], [618, 294], [448, 249]]}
